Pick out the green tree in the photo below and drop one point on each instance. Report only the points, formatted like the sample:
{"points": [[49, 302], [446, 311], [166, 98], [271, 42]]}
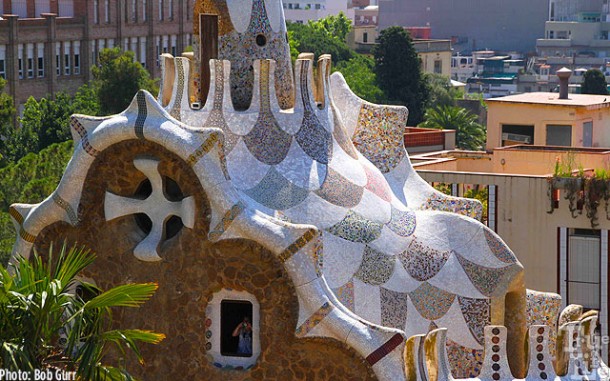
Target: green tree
{"points": [[338, 26], [399, 74], [7, 112], [29, 180], [441, 91], [39, 307], [359, 75], [594, 82], [313, 38], [118, 78], [470, 135], [47, 121]]}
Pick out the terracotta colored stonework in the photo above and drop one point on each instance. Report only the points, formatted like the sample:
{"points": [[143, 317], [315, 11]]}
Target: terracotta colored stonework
{"points": [[192, 269]]}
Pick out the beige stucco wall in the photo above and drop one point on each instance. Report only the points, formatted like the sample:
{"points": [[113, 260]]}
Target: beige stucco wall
{"points": [[540, 115], [428, 58], [543, 162]]}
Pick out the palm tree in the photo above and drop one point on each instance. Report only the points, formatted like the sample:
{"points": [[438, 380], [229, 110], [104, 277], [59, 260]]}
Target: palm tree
{"points": [[46, 325], [470, 134]]}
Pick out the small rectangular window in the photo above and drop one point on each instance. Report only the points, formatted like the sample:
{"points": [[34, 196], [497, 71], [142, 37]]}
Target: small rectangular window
{"points": [[144, 10], [77, 57], [40, 67], [30, 67], [96, 10], [236, 328], [66, 8], [30, 60], [160, 10], [143, 51], [106, 11], [67, 66], [20, 63], [3, 61], [58, 58], [40, 58], [134, 10], [171, 9]]}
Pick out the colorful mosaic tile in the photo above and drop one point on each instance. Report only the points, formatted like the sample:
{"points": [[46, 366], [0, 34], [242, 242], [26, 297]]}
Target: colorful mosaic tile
{"points": [[499, 248], [377, 184], [393, 308], [275, 192], [67, 207], [432, 303], [175, 111], [314, 320], [297, 245], [341, 137], [402, 223], [84, 139], [477, 314], [379, 135], [356, 228], [226, 221], [465, 207], [486, 279], [423, 262], [376, 267], [464, 362], [338, 190], [312, 136], [266, 141], [345, 294]]}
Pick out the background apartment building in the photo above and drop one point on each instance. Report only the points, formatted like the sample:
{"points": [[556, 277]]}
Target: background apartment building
{"points": [[301, 11], [49, 45], [472, 24]]}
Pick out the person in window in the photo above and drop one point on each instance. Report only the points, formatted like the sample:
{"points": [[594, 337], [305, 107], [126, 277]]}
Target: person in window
{"points": [[244, 331]]}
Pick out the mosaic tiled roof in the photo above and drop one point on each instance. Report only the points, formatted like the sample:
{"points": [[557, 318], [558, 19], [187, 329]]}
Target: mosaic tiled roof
{"points": [[376, 254]]}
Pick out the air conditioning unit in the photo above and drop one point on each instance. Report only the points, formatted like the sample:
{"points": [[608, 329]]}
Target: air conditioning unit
{"points": [[517, 138]]}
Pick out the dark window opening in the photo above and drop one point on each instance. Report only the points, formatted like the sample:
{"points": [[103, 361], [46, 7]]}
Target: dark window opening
{"points": [[517, 134], [173, 225], [261, 40], [236, 328], [142, 220]]}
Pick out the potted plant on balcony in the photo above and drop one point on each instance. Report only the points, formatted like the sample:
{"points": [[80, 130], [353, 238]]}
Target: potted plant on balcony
{"points": [[596, 189], [572, 183]]}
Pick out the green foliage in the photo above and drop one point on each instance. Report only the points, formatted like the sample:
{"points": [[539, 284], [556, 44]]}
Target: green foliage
{"points": [[7, 107], [41, 171], [441, 91], [46, 122], [118, 78], [359, 75], [481, 194], [470, 135], [315, 38], [336, 26], [7, 112], [399, 74], [594, 82], [30, 180], [443, 188], [38, 305]]}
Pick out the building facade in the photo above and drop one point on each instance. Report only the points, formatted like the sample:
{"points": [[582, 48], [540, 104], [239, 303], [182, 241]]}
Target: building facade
{"points": [[301, 11], [543, 119], [472, 25], [50, 45]]}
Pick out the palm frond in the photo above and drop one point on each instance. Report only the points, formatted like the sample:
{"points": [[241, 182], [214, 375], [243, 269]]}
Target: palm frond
{"points": [[128, 295]]}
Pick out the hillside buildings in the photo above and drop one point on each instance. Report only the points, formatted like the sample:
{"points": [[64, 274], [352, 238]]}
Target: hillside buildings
{"points": [[472, 25], [301, 11], [48, 45]]}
